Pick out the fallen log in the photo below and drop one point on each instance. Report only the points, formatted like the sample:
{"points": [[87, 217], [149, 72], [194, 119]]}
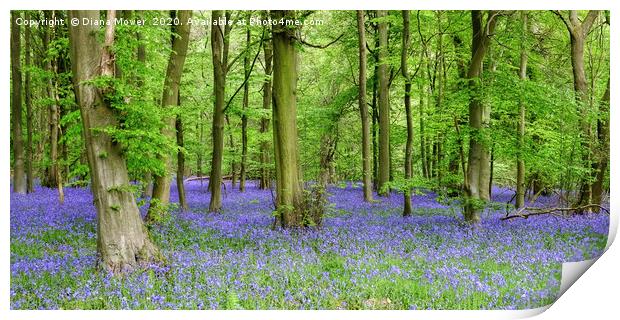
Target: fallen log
{"points": [[228, 177], [527, 212]]}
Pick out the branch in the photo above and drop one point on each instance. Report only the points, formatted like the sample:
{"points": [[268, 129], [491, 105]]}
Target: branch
{"points": [[107, 57], [243, 53], [566, 22], [488, 26], [316, 45], [553, 211], [372, 52], [248, 75], [589, 20], [573, 16]]}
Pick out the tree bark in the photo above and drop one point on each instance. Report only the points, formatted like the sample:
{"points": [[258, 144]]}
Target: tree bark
{"points": [[366, 171], [578, 32], [326, 154], [219, 78], [476, 187], [603, 144], [180, 162], [520, 198], [384, 108], [603, 150], [422, 114], [288, 184], [28, 101], [51, 172], [199, 155], [122, 239], [375, 130], [265, 177], [441, 82], [170, 98], [19, 175], [409, 145], [244, 117], [231, 145]]}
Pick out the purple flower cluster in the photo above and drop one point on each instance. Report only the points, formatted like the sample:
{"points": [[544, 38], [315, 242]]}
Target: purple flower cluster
{"points": [[366, 256]]}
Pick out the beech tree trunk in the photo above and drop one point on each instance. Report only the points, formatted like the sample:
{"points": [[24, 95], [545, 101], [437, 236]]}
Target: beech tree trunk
{"points": [[409, 145], [366, 171], [122, 239], [170, 98], [441, 82], [288, 183], [602, 143], [180, 163], [147, 180], [478, 167], [199, 154], [219, 85], [244, 117], [423, 158], [578, 32], [520, 198], [375, 130], [233, 150], [327, 150], [29, 116], [265, 177], [603, 150], [384, 108], [19, 175], [50, 178]]}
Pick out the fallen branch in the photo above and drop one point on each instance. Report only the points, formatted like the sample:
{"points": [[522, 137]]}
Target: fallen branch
{"points": [[228, 177], [533, 211]]}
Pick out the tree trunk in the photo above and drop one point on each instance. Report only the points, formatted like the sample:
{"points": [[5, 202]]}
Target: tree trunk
{"points": [[288, 184], [423, 159], [19, 176], [147, 185], [458, 160], [603, 150], [29, 116], [170, 98], [478, 160], [265, 177], [375, 129], [578, 32], [602, 143], [366, 173], [199, 154], [441, 76], [384, 108], [180, 162], [244, 117], [219, 85], [51, 176], [409, 145], [520, 198], [231, 145], [490, 176], [326, 155], [122, 239]]}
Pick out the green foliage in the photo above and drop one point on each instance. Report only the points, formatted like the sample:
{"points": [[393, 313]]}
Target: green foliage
{"points": [[327, 92], [232, 300], [159, 213]]}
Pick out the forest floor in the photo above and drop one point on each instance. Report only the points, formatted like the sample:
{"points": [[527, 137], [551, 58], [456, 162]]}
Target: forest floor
{"points": [[366, 256]]}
